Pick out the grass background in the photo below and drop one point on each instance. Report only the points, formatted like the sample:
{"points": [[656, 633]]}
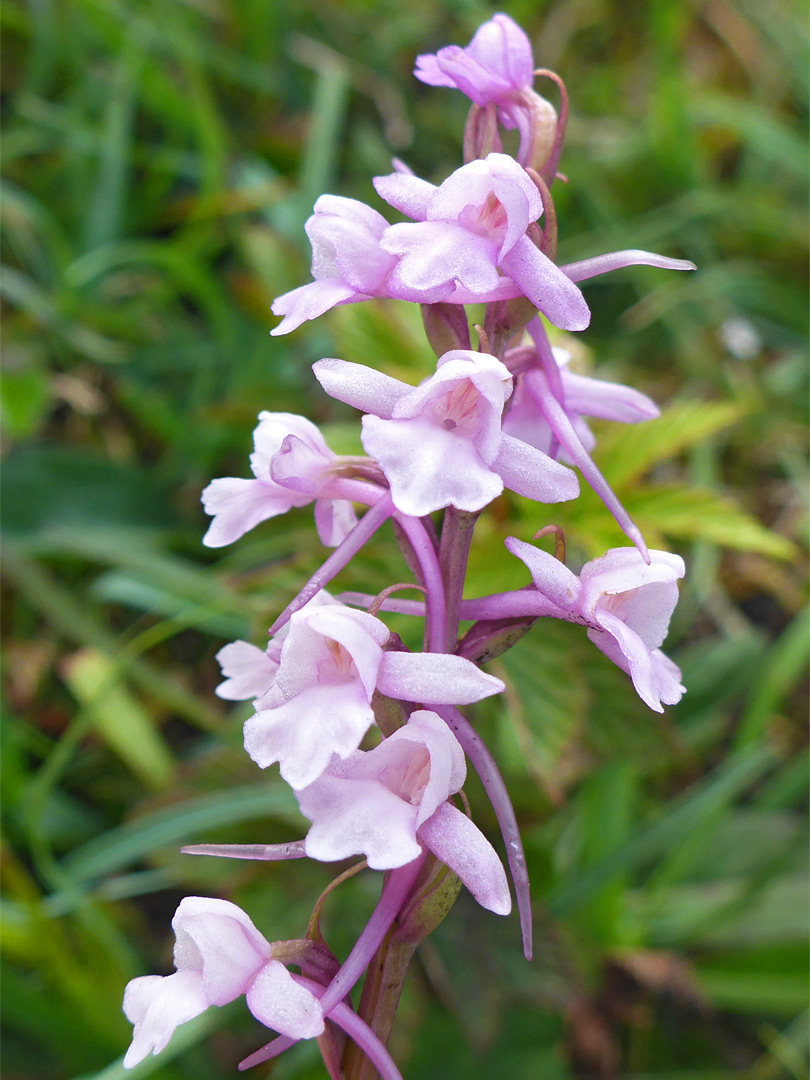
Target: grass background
{"points": [[160, 159]]}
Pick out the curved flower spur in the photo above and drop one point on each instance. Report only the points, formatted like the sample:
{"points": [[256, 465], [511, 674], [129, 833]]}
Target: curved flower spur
{"points": [[370, 736]]}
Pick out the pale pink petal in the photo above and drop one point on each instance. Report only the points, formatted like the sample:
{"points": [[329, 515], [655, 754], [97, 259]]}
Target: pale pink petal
{"points": [[280, 1003], [361, 634], [406, 193], [334, 520], [626, 649], [461, 846], [248, 671], [218, 939], [358, 817], [269, 437], [304, 732], [360, 386], [435, 255], [309, 301], [428, 71], [606, 400], [297, 467], [503, 48], [551, 577], [531, 473], [429, 468], [156, 1005], [434, 678], [542, 282], [448, 766], [239, 505]]}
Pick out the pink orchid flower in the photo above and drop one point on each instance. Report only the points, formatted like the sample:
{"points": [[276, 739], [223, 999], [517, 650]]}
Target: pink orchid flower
{"points": [[219, 955], [468, 243], [249, 671], [627, 605], [496, 67], [291, 466], [331, 663], [348, 263], [440, 443], [390, 802], [582, 396]]}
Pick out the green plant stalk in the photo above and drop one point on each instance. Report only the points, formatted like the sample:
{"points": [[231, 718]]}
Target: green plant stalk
{"points": [[435, 893]]}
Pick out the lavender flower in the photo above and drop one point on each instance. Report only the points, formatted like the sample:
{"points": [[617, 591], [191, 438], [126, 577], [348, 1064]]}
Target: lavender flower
{"points": [[331, 663], [219, 955], [387, 802], [441, 443], [292, 466], [626, 604]]}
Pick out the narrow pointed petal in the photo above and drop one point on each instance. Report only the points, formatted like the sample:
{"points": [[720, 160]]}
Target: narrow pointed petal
{"points": [[309, 301], [459, 844], [269, 852], [606, 400], [548, 288], [280, 1002], [614, 260], [550, 576], [406, 193], [432, 678], [529, 472], [360, 386]]}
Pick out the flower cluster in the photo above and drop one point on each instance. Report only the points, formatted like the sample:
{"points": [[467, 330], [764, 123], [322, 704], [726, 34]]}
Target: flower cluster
{"points": [[369, 735]]}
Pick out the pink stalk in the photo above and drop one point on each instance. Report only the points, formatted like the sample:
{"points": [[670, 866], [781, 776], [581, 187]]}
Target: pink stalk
{"points": [[562, 427], [357, 1030], [435, 609], [373, 518], [395, 889], [615, 260], [484, 764]]}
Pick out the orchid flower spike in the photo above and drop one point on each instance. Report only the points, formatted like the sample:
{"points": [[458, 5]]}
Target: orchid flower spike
{"points": [[467, 241], [331, 663], [390, 802], [292, 466], [627, 605], [440, 443], [219, 955], [348, 263]]}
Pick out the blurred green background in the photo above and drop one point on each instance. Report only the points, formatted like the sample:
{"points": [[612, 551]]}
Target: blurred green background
{"points": [[160, 158]]}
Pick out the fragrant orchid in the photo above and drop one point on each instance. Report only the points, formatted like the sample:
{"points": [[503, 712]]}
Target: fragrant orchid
{"points": [[388, 802], [440, 443], [626, 604], [292, 466], [468, 241], [348, 263], [332, 678], [219, 955], [332, 661]]}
